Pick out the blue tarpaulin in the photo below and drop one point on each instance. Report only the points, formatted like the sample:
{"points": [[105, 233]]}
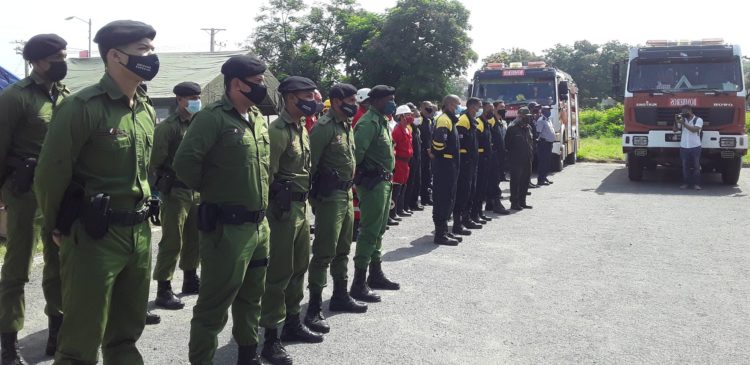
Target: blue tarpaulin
{"points": [[6, 78]]}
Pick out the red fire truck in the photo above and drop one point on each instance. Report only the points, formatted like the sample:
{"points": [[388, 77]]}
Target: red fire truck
{"points": [[665, 75], [518, 85]]}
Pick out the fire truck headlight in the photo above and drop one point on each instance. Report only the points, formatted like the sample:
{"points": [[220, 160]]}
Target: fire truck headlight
{"points": [[727, 142], [640, 141]]}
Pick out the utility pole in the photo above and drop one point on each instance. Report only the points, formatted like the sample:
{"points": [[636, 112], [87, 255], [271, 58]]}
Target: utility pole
{"points": [[212, 32], [19, 51]]}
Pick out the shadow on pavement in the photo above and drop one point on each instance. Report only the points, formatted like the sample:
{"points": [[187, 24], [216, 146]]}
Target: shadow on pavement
{"points": [[33, 346], [664, 181], [227, 354], [418, 247]]}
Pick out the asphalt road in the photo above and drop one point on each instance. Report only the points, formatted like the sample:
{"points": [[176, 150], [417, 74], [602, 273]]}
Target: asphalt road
{"points": [[602, 270]]}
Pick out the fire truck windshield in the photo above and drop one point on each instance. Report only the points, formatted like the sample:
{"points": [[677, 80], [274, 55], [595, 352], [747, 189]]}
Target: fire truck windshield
{"points": [[517, 91], [679, 75]]}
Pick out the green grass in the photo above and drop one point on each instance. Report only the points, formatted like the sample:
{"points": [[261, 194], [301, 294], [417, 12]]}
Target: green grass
{"points": [[604, 149], [609, 149]]}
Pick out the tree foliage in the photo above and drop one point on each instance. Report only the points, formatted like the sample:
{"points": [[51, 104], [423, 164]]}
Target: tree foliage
{"points": [[507, 56]]}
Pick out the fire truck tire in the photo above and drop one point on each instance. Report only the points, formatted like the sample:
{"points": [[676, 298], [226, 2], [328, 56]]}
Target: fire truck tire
{"points": [[635, 168], [573, 157], [730, 174], [557, 161]]}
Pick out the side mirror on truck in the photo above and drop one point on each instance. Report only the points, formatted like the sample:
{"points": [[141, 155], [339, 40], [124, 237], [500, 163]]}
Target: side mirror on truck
{"points": [[616, 84], [563, 90]]}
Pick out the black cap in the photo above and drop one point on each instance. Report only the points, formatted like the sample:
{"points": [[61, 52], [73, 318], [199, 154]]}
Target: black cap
{"points": [[342, 91], [43, 45], [381, 91], [296, 83], [122, 32], [243, 66], [533, 105], [187, 88]]}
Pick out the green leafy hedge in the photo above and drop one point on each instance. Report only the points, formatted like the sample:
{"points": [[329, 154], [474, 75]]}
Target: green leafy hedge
{"points": [[601, 123]]}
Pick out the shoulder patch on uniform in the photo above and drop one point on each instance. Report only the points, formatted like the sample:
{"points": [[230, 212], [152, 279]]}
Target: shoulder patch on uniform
{"points": [[90, 92], [324, 120], [23, 83]]}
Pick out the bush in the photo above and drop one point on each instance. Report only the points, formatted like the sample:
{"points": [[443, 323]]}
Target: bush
{"points": [[601, 123]]}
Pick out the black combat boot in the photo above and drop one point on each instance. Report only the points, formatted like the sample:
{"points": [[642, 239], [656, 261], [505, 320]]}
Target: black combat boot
{"points": [[54, 323], [451, 235], [441, 236], [165, 298], [469, 223], [341, 301], [484, 217], [191, 283], [477, 219], [295, 331], [273, 350], [152, 318], [248, 355], [458, 227], [360, 290], [314, 318], [11, 353], [377, 279], [498, 207]]}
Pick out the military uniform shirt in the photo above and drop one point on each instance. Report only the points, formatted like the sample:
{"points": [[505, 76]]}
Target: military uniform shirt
{"points": [[332, 147], [290, 152]]}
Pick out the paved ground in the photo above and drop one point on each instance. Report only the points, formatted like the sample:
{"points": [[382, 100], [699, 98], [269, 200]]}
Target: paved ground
{"points": [[601, 271]]}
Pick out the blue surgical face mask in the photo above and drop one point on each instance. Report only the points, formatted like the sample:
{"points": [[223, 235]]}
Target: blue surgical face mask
{"points": [[480, 112], [460, 109], [546, 113], [390, 107], [193, 106]]}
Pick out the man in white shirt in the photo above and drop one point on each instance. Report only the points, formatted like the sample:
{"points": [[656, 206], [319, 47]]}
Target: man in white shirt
{"points": [[546, 132], [690, 146]]}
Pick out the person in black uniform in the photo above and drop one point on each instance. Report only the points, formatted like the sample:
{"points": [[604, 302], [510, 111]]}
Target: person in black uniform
{"points": [[497, 163], [536, 111], [427, 110], [484, 144], [520, 147], [468, 149], [445, 165], [414, 184]]}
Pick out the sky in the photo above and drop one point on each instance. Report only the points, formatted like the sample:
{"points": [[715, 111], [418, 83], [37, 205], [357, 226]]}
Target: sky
{"points": [[536, 25]]}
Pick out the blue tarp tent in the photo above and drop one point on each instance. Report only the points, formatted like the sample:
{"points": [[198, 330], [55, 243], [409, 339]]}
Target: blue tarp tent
{"points": [[6, 78]]}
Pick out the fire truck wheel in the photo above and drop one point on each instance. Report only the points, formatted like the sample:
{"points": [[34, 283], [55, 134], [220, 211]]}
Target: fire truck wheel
{"points": [[730, 174], [635, 168]]}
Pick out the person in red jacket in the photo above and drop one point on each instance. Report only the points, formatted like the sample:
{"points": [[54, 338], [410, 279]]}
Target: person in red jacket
{"points": [[403, 150]]}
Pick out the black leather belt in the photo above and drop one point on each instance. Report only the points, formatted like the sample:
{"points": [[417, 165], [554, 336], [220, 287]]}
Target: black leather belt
{"points": [[128, 218], [237, 214], [344, 185]]}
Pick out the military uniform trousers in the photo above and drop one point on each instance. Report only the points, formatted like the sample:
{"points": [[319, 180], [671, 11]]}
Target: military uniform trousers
{"points": [[179, 228], [24, 233], [105, 286], [520, 176], [374, 206], [289, 258], [334, 224], [444, 184], [233, 273]]}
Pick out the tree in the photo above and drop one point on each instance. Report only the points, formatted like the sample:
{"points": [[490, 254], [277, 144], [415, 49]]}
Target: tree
{"points": [[507, 56], [458, 85], [419, 47], [276, 40]]}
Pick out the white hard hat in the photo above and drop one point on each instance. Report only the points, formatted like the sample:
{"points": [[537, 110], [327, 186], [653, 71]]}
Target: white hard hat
{"points": [[403, 109], [362, 95]]}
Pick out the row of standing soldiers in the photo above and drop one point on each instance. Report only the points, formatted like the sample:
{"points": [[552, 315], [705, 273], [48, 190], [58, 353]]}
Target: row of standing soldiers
{"points": [[78, 178]]}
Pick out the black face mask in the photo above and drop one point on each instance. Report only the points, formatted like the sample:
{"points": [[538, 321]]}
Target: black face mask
{"points": [[307, 107], [428, 111], [257, 92], [501, 113], [146, 67], [57, 71], [349, 109]]}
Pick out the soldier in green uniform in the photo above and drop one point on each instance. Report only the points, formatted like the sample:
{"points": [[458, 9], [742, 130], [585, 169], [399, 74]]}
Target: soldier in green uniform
{"points": [[179, 209], [289, 250], [375, 161], [332, 152], [98, 146], [25, 111], [225, 156]]}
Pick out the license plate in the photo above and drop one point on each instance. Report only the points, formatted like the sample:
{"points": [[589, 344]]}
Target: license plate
{"points": [[672, 137]]}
